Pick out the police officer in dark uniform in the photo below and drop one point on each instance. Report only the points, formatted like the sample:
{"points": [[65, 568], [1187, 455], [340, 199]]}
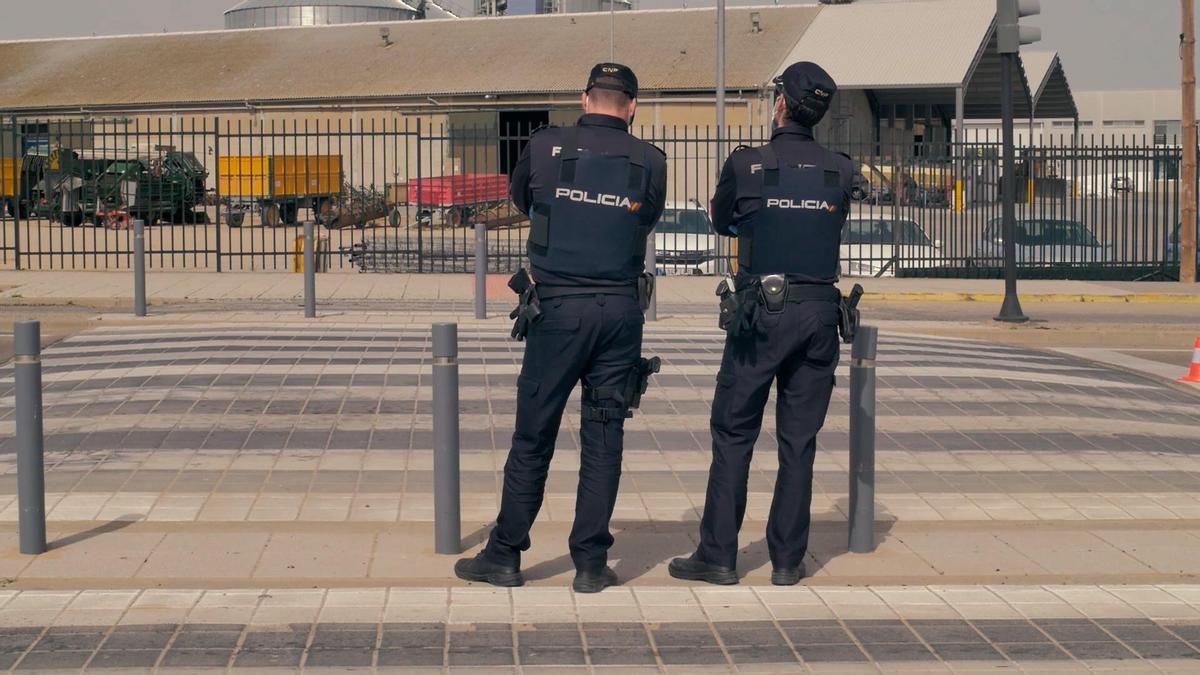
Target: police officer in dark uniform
{"points": [[593, 193], [786, 203]]}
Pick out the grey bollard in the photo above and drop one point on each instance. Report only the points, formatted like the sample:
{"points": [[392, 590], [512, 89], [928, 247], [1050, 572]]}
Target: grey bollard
{"points": [[862, 440], [31, 461], [139, 268], [652, 268], [446, 502], [310, 272], [481, 269]]}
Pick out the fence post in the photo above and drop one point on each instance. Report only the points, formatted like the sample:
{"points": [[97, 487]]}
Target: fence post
{"points": [[31, 463], [652, 268], [310, 272], [862, 440], [139, 267], [446, 506], [481, 270]]}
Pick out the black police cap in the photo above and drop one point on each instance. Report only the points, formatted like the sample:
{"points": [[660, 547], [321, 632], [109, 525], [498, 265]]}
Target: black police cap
{"points": [[807, 86], [613, 76]]}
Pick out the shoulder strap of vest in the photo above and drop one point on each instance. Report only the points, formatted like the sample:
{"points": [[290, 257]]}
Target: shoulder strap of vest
{"points": [[568, 155], [770, 165], [637, 163]]}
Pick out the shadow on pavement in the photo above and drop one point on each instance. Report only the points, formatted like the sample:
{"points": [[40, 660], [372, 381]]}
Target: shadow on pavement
{"points": [[100, 530]]}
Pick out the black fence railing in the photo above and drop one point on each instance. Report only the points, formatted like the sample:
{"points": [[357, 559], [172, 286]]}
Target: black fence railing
{"points": [[400, 194]]}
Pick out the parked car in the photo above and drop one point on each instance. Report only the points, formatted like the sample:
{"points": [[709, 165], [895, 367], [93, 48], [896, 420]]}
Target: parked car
{"points": [[1122, 184], [684, 241], [877, 246], [1043, 241], [1173, 252]]}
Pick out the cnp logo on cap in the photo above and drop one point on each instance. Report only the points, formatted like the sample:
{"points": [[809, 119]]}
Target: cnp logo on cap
{"points": [[610, 69]]}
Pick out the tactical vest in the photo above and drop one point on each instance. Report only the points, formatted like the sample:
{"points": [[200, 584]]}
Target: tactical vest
{"points": [[798, 227], [589, 223]]}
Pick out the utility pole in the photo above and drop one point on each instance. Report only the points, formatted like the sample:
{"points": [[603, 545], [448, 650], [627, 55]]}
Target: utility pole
{"points": [[1010, 35], [1187, 229]]}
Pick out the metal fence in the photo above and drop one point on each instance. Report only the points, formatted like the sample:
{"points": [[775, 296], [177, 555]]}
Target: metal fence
{"points": [[399, 194]]}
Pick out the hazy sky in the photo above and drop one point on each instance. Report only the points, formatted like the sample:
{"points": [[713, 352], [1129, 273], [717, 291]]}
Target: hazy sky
{"points": [[1105, 44]]}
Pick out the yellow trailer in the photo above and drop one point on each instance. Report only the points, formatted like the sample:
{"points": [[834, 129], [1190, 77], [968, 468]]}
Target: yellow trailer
{"points": [[278, 186], [9, 169]]}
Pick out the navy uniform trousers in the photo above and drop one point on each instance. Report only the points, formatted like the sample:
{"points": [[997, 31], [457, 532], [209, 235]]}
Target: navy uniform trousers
{"points": [[596, 339], [798, 351]]}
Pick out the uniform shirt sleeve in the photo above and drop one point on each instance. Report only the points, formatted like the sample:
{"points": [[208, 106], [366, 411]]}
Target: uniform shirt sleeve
{"points": [[656, 191], [519, 182], [724, 201]]}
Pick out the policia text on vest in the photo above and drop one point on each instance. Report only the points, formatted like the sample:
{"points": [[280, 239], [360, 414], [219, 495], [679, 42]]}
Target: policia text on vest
{"points": [[593, 193]]}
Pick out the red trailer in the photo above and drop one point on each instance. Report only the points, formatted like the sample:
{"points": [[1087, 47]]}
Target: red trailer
{"points": [[459, 197]]}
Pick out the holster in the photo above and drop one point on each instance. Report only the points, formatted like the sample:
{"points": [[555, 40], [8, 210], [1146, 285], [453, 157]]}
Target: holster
{"points": [[645, 289], [639, 380], [737, 308], [529, 306], [848, 307], [773, 292]]}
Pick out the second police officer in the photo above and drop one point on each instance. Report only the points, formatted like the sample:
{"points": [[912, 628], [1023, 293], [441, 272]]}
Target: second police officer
{"points": [[786, 203], [593, 193]]}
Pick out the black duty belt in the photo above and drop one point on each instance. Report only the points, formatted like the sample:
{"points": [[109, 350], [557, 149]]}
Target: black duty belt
{"points": [[808, 292], [548, 292]]}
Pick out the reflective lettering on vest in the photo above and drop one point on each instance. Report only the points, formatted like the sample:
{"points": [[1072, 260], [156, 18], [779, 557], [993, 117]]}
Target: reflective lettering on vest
{"points": [[802, 204], [601, 199]]}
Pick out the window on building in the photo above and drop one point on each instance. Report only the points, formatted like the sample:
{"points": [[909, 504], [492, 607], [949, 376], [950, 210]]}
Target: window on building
{"points": [[1124, 123], [1167, 131]]}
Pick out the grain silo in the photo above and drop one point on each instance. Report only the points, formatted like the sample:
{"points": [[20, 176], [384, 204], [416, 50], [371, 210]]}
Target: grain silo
{"points": [[273, 13]]}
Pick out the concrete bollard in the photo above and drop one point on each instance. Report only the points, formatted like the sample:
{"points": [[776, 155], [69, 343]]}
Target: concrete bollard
{"points": [[652, 268], [31, 461], [446, 502], [481, 270], [862, 440], [310, 271], [139, 268]]}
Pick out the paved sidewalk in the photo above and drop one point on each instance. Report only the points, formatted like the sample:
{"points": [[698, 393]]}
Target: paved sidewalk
{"points": [[114, 288], [243, 492]]}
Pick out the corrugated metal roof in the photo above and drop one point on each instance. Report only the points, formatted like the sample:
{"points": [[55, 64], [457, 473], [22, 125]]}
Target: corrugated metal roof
{"points": [[1052, 96], [920, 43], [669, 49], [265, 4]]}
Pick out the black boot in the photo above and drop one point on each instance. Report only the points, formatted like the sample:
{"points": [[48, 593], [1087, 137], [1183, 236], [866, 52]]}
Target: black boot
{"points": [[480, 568], [694, 569], [788, 576], [594, 582]]}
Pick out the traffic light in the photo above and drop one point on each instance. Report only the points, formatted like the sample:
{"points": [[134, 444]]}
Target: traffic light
{"points": [[1010, 34]]}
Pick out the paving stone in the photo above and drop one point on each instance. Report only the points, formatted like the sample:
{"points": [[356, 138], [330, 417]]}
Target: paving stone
{"points": [[830, 653], [346, 658], [53, 660], [621, 656], [197, 658], [265, 658], [411, 656], [125, 658], [1093, 651], [1032, 651]]}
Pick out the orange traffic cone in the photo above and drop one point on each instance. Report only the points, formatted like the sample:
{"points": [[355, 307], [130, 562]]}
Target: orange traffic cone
{"points": [[1193, 374]]}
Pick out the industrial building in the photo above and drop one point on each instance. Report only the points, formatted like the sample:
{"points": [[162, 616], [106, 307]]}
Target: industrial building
{"points": [[910, 72]]}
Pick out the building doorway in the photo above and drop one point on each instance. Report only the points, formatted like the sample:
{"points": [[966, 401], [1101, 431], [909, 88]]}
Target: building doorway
{"points": [[515, 128]]}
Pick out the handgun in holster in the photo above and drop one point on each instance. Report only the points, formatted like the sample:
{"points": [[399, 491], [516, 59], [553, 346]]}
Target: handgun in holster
{"points": [[848, 306], [529, 307], [639, 380], [645, 289]]}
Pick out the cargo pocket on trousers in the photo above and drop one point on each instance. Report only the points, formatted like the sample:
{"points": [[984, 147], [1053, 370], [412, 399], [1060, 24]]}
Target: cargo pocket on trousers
{"points": [[527, 386]]}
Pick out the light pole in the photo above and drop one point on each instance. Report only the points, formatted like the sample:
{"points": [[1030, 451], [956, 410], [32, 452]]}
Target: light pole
{"points": [[1187, 230], [1010, 35]]}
